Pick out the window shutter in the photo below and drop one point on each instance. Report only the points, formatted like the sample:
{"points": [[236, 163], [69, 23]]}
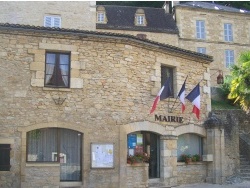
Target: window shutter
{"points": [[57, 22], [48, 21]]}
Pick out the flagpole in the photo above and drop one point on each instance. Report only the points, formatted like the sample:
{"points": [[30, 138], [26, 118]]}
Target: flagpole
{"points": [[177, 97]]}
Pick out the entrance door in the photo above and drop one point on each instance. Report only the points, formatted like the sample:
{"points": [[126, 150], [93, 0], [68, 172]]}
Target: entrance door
{"points": [[154, 164], [149, 143]]}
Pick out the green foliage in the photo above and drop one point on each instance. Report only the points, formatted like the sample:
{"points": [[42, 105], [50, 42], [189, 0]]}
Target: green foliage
{"points": [[240, 84], [138, 158]]}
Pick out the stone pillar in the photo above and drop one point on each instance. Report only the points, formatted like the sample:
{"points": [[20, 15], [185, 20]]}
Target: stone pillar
{"points": [[216, 150], [168, 160]]}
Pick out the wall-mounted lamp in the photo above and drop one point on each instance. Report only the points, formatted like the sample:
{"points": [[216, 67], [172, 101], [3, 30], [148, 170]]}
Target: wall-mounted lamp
{"points": [[59, 100], [220, 79]]}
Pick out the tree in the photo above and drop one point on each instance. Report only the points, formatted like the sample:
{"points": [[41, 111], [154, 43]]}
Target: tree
{"points": [[240, 85]]}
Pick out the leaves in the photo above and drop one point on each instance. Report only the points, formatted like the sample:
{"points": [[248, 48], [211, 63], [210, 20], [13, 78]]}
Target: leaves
{"points": [[240, 84]]}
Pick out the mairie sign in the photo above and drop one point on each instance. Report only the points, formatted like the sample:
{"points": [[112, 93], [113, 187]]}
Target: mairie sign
{"points": [[168, 118]]}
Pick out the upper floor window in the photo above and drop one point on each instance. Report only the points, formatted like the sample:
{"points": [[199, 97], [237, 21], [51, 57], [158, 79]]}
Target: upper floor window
{"points": [[229, 57], [100, 17], [167, 72], [101, 14], [5, 157], [228, 32], [57, 69], [200, 29], [52, 21], [201, 50], [140, 18]]}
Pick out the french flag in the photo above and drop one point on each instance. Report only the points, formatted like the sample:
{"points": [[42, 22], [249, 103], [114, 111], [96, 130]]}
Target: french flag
{"points": [[164, 93], [194, 98], [181, 96]]}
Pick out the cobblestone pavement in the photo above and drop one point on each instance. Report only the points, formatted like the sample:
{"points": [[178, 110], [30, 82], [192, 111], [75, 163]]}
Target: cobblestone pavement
{"points": [[244, 184]]}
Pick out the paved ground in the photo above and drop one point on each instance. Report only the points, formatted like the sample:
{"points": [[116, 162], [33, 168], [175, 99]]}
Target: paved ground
{"points": [[244, 184]]}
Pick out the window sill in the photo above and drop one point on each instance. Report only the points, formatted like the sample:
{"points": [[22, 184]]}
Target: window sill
{"points": [[191, 163], [56, 89], [70, 184], [38, 164]]}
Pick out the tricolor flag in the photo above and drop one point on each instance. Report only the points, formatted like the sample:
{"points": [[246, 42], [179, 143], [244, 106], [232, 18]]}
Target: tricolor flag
{"points": [[194, 98], [181, 96], [164, 93]]}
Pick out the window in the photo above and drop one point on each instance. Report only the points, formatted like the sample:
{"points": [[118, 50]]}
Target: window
{"points": [[57, 69], [200, 29], [228, 32], [140, 20], [201, 50], [167, 72], [100, 17], [229, 56], [57, 145], [189, 144], [5, 157], [52, 21]]}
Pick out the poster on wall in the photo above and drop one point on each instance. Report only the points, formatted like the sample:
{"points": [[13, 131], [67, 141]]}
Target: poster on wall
{"points": [[102, 155], [131, 141]]}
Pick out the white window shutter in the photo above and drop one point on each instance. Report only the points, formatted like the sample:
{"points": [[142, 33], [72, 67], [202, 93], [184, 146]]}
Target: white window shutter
{"points": [[48, 21], [57, 22]]}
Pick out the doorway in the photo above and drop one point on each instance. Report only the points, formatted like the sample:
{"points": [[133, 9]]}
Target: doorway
{"points": [[146, 142]]}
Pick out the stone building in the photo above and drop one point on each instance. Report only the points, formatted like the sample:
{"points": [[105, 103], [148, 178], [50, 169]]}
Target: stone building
{"points": [[216, 30], [76, 103]]}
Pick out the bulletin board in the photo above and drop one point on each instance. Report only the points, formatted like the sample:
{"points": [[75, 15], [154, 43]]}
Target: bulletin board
{"points": [[102, 155]]}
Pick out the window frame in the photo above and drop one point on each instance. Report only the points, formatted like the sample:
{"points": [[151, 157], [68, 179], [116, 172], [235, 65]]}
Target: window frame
{"points": [[228, 32], [200, 29], [140, 20], [53, 21], [5, 157], [164, 77], [229, 58], [201, 50], [190, 136], [57, 67]]}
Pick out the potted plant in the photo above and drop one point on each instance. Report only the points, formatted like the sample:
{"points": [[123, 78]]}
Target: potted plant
{"points": [[138, 158], [187, 158], [196, 157]]}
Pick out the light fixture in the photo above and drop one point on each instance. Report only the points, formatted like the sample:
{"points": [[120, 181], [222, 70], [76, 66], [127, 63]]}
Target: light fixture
{"points": [[220, 79], [59, 100]]}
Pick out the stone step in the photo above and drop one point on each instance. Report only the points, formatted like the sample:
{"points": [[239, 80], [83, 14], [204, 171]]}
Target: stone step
{"points": [[244, 166], [245, 170], [245, 178], [245, 175]]}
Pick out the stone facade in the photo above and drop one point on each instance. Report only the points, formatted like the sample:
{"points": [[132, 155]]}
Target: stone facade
{"points": [[32, 13], [214, 28], [113, 84]]}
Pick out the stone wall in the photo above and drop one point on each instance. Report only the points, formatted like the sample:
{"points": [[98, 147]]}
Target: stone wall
{"points": [[74, 15], [137, 175], [195, 172], [234, 123]]}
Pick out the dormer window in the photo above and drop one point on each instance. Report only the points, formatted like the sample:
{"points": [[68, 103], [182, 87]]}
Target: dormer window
{"points": [[101, 15], [140, 19]]}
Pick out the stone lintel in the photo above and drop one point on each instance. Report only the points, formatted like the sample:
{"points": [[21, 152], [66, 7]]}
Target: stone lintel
{"points": [[168, 137]]}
